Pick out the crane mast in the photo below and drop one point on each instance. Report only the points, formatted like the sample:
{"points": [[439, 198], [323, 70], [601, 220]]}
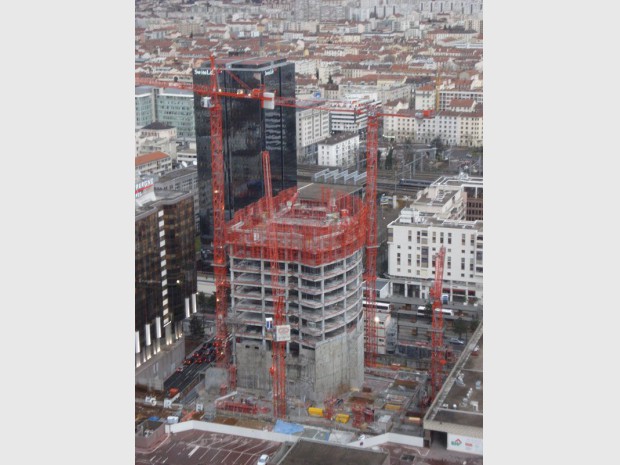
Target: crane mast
{"points": [[222, 337], [370, 272], [437, 354], [278, 348]]}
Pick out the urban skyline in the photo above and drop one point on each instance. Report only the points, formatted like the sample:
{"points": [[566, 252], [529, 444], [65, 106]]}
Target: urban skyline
{"points": [[394, 84]]}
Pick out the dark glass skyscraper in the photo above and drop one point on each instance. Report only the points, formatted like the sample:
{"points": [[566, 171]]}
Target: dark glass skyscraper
{"points": [[247, 129]]}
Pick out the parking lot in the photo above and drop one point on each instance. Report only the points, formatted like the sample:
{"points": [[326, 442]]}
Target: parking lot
{"points": [[201, 447]]}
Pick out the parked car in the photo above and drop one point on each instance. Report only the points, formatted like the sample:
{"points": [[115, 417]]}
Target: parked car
{"points": [[263, 459]]}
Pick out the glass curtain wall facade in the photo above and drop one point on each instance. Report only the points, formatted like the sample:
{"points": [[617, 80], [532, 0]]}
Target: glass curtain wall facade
{"points": [[165, 266], [151, 285], [180, 253], [145, 106], [176, 108], [247, 129]]}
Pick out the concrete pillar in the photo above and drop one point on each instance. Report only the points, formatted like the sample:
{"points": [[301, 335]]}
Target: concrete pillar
{"points": [[137, 342], [168, 333], [147, 338], [157, 334], [323, 302]]}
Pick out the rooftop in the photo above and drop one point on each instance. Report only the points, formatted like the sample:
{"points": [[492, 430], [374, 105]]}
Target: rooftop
{"points": [[339, 137], [157, 125], [458, 407], [174, 174], [150, 157], [314, 191]]}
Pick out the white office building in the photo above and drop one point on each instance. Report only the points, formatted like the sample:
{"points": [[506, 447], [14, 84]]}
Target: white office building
{"points": [[312, 128], [339, 150], [414, 239]]}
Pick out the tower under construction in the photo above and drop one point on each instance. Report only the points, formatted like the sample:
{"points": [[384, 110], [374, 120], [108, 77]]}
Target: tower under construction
{"points": [[321, 262]]}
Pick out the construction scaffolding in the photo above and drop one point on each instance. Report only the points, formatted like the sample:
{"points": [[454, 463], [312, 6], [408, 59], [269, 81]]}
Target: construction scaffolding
{"points": [[309, 252], [313, 233]]}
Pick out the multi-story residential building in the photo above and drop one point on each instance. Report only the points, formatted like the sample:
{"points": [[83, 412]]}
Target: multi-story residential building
{"points": [[160, 130], [327, 69], [424, 97], [153, 163], [463, 7], [341, 150], [306, 66], [351, 116], [165, 269], [447, 96], [401, 127], [248, 129], [176, 108], [384, 92], [312, 128], [463, 128], [157, 137]]}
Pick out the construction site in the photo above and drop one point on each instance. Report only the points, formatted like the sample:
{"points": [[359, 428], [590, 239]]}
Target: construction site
{"points": [[296, 324]]}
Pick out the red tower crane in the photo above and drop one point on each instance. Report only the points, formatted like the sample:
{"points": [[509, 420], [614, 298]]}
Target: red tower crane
{"points": [[270, 100], [213, 94], [437, 354], [278, 347]]}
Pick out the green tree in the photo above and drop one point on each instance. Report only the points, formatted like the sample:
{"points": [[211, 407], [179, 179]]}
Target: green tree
{"points": [[388, 159], [439, 145], [473, 324], [196, 327], [202, 301], [460, 326]]}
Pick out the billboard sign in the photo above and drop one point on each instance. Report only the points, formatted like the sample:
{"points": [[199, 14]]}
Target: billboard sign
{"points": [[283, 333], [462, 443]]}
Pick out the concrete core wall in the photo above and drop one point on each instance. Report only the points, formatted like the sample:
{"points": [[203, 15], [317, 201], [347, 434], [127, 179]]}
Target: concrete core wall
{"points": [[336, 366], [339, 364]]}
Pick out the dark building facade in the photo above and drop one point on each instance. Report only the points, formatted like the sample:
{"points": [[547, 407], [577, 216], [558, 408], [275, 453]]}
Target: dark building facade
{"points": [[165, 269], [247, 129], [475, 203]]}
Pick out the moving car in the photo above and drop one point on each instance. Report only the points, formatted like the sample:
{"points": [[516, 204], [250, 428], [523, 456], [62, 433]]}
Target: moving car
{"points": [[263, 459], [456, 340]]}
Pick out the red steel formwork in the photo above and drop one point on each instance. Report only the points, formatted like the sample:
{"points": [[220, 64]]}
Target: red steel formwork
{"points": [[278, 367], [313, 233], [437, 355]]}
